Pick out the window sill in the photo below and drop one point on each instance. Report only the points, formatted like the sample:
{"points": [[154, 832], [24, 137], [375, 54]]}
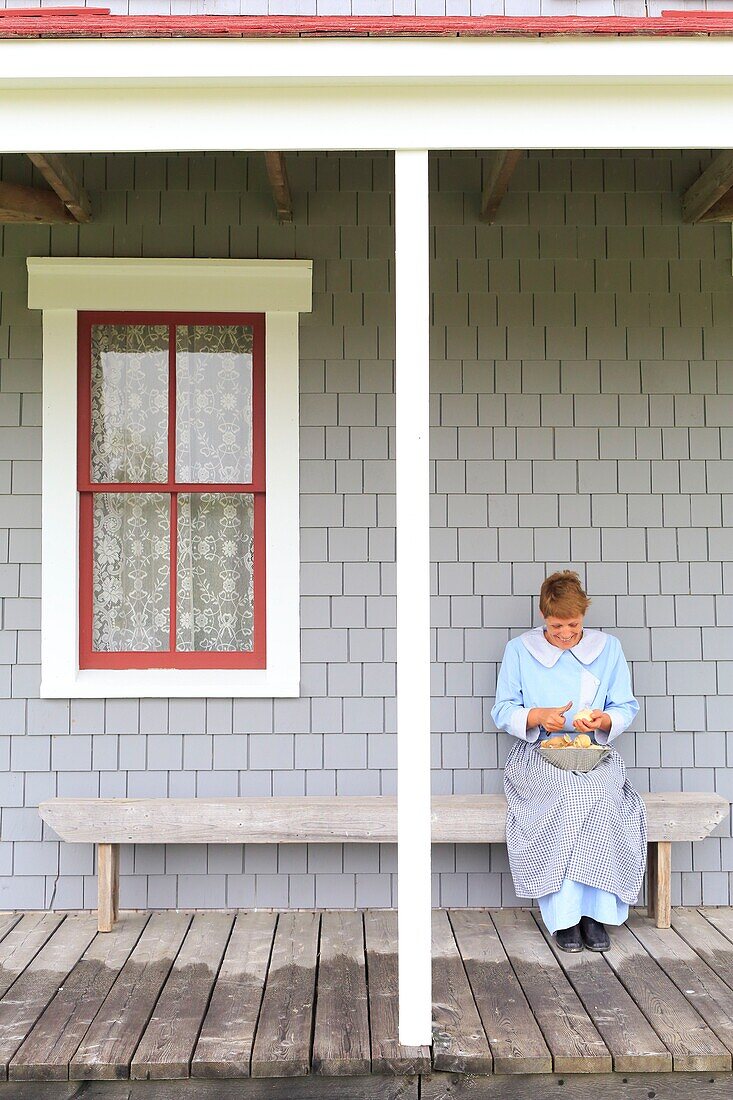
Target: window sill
{"points": [[178, 683]]}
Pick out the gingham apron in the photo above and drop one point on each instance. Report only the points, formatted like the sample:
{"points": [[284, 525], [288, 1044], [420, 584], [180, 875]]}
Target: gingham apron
{"points": [[560, 824]]}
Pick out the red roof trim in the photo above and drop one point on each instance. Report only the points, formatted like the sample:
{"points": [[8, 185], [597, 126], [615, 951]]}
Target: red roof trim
{"points": [[98, 23]]}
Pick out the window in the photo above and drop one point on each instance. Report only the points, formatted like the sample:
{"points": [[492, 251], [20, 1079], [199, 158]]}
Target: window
{"points": [[171, 483], [170, 509]]}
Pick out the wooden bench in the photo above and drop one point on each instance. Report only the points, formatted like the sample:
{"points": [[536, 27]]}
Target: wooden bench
{"points": [[456, 819]]}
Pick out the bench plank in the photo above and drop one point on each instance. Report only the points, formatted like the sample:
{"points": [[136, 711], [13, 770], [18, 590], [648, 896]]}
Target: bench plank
{"points": [[459, 819]]}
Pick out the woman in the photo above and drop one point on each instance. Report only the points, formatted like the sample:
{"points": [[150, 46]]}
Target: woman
{"points": [[576, 842]]}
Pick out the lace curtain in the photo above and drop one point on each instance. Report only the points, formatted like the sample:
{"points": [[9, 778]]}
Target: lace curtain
{"points": [[215, 572], [214, 403], [129, 403], [131, 573], [215, 530]]}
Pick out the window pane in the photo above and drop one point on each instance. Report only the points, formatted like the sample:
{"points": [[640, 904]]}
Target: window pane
{"points": [[215, 583], [129, 403], [214, 403], [131, 586]]}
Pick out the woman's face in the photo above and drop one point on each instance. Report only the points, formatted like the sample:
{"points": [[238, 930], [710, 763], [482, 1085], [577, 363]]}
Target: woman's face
{"points": [[564, 633]]}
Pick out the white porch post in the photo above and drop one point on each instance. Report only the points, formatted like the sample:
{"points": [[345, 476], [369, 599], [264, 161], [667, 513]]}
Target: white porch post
{"points": [[412, 392]]}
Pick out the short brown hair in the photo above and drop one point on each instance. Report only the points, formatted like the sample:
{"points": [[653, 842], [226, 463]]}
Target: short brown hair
{"points": [[562, 595]]}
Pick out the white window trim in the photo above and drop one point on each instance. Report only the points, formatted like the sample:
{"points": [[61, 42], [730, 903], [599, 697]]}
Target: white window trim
{"points": [[61, 287]]}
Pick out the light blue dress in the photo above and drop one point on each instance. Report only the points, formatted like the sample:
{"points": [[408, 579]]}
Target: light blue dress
{"points": [[593, 674]]}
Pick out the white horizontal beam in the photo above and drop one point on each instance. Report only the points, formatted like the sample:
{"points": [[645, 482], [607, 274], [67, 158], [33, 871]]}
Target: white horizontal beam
{"points": [[136, 62], [513, 116]]}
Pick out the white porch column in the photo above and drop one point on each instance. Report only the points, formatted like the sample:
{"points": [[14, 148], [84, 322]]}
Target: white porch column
{"points": [[412, 390]]}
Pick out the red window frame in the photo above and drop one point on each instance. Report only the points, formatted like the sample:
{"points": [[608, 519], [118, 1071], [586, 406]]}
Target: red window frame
{"points": [[170, 658]]}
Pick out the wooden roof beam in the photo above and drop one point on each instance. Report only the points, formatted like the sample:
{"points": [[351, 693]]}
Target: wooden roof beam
{"points": [[278, 175], [59, 174], [497, 176], [708, 198], [31, 204]]}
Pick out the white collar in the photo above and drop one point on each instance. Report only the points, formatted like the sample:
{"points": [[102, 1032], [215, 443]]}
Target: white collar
{"points": [[586, 650]]}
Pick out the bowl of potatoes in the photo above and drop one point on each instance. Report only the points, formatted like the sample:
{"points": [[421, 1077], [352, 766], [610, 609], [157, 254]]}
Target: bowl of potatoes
{"points": [[573, 754]]}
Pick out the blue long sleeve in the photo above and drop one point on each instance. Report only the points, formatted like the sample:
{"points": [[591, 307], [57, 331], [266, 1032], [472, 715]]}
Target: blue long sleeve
{"points": [[509, 712], [620, 705]]}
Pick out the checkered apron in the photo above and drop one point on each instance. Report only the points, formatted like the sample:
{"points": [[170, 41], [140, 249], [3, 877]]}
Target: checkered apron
{"points": [[589, 827]]}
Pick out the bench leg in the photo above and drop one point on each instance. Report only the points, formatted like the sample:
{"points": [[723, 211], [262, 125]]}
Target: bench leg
{"points": [[659, 882], [108, 880]]}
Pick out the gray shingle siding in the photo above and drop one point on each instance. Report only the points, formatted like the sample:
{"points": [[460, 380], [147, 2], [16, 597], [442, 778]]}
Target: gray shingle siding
{"points": [[582, 415]]}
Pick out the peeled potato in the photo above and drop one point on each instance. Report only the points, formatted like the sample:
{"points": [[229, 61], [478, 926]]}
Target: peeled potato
{"points": [[560, 742], [584, 715], [582, 741]]}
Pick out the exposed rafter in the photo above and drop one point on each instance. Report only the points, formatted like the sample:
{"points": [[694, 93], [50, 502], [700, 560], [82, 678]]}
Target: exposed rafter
{"points": [[709, 198], [278, 176], [31, 204], [59, 174], [497, 173]]}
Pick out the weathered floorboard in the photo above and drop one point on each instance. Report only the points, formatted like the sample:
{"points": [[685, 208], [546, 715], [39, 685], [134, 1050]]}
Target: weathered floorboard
{"points": [[312, 1087], [388, 1055], [634, 1044], [704, 932], [341, 1036], [721, 919], [700, 985], [282, 1041], [40, 981], [569, 1033], [459, 1043], [515, 1039], [601, 1086], [46, 1053], [107, 1048], [133, 1000], [7, 922], [164, 1052], [22, 943], [224, 1047], [692, 1044]]}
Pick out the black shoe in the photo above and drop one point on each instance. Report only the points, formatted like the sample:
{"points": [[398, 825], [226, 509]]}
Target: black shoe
{"points": [[568, 939], [595, 936]]}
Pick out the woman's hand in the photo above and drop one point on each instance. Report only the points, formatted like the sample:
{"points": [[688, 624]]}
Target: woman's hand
{"points": [[598, 720], [552, 718]]}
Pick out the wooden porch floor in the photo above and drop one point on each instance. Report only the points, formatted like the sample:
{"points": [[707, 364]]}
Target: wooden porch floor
{"points": [[308, 1001]]}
